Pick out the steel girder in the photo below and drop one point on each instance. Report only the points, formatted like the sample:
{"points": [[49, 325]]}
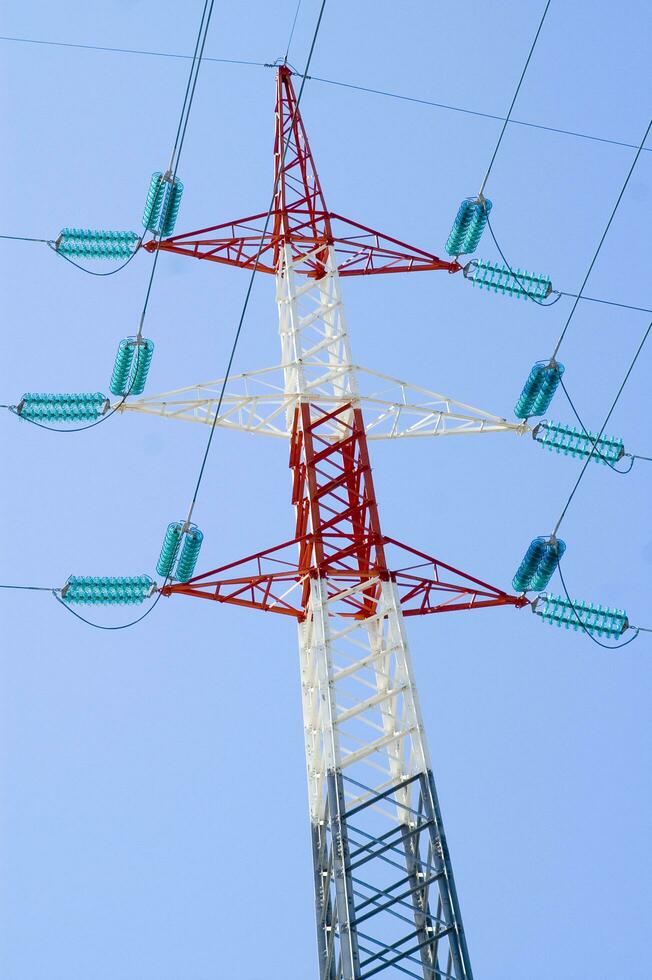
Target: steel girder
{"points": [[257, 402]]}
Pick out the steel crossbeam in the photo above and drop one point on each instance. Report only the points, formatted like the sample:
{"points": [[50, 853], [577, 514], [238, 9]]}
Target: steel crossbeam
{"points": [[257, 402], [360, 251], [276, 581]]}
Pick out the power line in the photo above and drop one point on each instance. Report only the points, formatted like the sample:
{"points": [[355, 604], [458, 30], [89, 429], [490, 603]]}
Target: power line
{"points": [[91, 272], [341, 84], [188, 98], [586, 432], [471, 112], [30, 588], [294, 24], [600, 243], [608, 302], [153, 54], [518, 88], [604, 425], [77, 428], [21, 238], [560, 292], [605, 646], [514, 275], [189, 95], [255, 265], [99, 626]]}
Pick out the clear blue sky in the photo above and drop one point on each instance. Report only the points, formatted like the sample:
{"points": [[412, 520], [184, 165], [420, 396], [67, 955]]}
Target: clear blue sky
{"points": [[153, 812]]}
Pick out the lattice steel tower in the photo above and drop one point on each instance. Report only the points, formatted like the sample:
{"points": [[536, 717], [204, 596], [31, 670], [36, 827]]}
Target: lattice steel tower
{"points": [[385, 895]]}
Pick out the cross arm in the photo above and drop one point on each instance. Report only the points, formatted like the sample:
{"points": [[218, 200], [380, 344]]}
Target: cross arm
{"points": [[257, 402], [254, 242], [276, 581]]}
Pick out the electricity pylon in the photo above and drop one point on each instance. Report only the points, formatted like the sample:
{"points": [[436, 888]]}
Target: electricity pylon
{"points": [[386, 901]]}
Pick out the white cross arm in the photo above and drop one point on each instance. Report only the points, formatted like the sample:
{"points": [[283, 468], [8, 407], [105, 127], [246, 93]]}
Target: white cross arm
{"points": [[257, 402]]}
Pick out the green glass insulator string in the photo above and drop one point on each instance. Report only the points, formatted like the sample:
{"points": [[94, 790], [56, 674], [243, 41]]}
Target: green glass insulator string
{"points": [[539, 389], [555, 549], [162, 204], [460, 229], [142, 363], [99, 235], [502, 279], [570, 441], [528, 566], [170, 210], [66, 407], [131, 367], [169, 549], [122, 368], [91, 244], [595, 619], [189, 554], [176, 533], [538, 564], [108, 590], [470, 222], [154, 201]]}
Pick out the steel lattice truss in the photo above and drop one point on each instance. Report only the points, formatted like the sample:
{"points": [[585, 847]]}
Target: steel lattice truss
{"points": [[360, 250], [385, 895], [258, 402]]}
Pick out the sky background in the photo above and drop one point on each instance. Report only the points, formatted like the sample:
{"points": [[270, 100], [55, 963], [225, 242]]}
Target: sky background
{"points": [[153, 814]]}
